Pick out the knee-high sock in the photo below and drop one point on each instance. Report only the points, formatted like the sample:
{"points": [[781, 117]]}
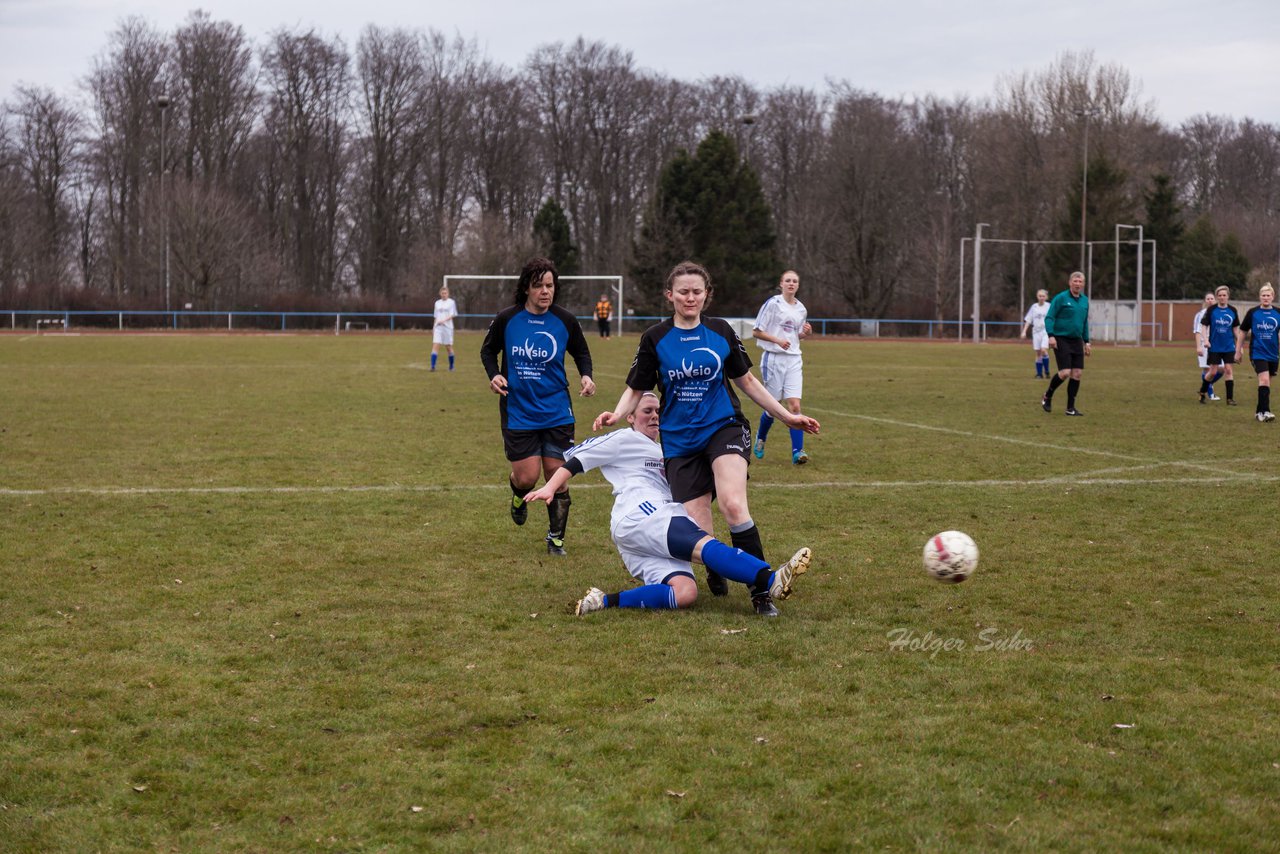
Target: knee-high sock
{"points": [[660, 596], [1053, 385], [1264, 398], [766, 421], [734, 563], [746, 536], [1231, 389], [797, 440], [1073, 388], [433, 361], [558, 515], [451, 361]]}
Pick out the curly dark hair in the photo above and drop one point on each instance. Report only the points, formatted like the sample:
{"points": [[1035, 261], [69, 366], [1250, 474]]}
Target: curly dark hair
{"points": [[534, 270]]}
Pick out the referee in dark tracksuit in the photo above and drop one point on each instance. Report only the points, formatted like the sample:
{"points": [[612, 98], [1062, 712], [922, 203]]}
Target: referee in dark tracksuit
{"points": [[1068, 326]]}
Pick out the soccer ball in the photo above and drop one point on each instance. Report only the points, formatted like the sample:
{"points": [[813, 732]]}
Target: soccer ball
{"points": [[951, 556]]}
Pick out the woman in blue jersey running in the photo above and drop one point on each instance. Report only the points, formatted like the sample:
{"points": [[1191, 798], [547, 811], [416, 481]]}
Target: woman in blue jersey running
{"points": [[524, 354], [706, 440]]}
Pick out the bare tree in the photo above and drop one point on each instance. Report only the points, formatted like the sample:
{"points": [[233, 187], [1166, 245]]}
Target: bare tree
{"points": [[308, 87], [216, 82], [124, 85]]}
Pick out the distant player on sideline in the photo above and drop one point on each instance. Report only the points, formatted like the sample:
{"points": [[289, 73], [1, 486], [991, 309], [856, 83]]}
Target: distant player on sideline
{"points": [[653, 533], [442, 332], [1220, 334], [1067, 323], [523, 354], [1261, 323], [1039, 338], [1202, 351], [780, 324], [604, 314]]}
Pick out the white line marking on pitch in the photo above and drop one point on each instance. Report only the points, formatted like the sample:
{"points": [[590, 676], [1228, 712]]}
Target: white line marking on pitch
{"points": [[830, 484]]}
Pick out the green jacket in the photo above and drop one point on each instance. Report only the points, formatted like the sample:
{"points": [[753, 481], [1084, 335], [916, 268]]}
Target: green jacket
{"points": [[1068, 316]]}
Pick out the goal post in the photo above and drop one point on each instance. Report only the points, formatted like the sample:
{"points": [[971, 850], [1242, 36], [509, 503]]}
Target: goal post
{"points": [[580, 298]]}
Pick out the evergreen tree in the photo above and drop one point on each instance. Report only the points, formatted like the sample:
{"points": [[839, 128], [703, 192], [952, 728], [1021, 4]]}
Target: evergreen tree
{"points": [[1163, 224], [1206, 262], [552, 236], [1107, 205], [708, 208]]}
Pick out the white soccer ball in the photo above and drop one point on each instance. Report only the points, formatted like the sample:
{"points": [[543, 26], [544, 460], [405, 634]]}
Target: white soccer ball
{"points": [[951, 556]]}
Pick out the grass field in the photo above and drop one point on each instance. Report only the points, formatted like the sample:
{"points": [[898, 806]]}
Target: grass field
{"points": [[261, 593]]}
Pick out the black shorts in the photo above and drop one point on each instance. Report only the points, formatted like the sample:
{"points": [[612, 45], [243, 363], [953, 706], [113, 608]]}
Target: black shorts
{"points": [[1260, 365], [1221, 357], [691, 476], [551, 442], [1069, 354]]}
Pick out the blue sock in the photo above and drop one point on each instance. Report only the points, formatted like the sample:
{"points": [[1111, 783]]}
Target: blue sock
{"points": [[766, 421], [734, 564], [451, 361], [658, 596], [433, 361], [797, 440]]}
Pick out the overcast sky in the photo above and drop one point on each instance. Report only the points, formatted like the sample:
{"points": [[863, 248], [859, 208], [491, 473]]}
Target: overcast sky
{"points": [[1188, 57]]}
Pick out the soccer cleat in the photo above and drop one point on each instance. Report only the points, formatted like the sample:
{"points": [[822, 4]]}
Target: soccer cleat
{"points": [[1261, 417], [799, 458], [555, 546], [1046, 404], [784, 575], [1268, 416], [763, 603], [716, 584], [519, 510], [593, 601], [759, 449], [1231, 401], [1212, 396], [1074, 411]]}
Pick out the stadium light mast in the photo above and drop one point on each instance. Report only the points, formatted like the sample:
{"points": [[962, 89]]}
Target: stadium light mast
{"points": [[977, 279], [163, 102], [1085, 113]]}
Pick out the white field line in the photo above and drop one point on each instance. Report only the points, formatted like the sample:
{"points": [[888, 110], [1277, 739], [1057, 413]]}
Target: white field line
{"points": [[1079, 480]]}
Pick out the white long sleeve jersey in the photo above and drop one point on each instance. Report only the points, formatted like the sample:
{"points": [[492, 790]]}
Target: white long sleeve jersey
{"points": [[633, 465]]}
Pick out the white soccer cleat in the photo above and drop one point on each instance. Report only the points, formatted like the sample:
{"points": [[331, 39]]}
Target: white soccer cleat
{"points": [[786, 574], [1268, 416], [593, 601]]}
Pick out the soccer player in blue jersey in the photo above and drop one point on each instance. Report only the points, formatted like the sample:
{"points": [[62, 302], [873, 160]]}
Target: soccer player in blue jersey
{"points": [[706, 440], [1220, 331], [780, 324], [653, 533], [523, 354], [1261, 323], [1067, 322]]}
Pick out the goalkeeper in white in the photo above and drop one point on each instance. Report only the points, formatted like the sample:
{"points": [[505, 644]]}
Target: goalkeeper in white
{"points": [[654, 534]]}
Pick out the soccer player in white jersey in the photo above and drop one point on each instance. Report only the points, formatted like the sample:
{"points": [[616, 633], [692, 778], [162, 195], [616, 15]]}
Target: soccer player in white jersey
{"points": [[442, 332], [1202, 356], [654, 534], [1039, 338], [780, 324]]}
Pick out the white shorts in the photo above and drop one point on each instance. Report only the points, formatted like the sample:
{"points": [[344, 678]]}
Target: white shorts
{"points": [[783, 375], [1203, 359], [1040, 340], [442, 335], [642, 542]]}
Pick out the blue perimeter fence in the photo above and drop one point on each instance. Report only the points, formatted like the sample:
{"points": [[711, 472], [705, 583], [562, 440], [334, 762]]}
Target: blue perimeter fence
{"points": [[354, 321]]}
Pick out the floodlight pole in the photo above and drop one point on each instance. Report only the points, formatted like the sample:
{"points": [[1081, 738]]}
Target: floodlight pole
{"points": [[1085, 113], [163, 102], [977, 279]]}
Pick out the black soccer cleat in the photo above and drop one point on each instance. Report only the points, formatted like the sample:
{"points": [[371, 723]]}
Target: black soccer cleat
{"points": [[1231, 401], [716, 583], [763, 603], [519, 510], [555, 546], [1046, 403], [1075, 412]]}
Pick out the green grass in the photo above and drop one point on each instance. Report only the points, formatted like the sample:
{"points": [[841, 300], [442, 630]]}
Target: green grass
{"points": [[261, 593]]}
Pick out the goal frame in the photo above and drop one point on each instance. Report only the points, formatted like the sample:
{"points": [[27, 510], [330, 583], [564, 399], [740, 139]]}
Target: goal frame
{"points": [[615, 287]]}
